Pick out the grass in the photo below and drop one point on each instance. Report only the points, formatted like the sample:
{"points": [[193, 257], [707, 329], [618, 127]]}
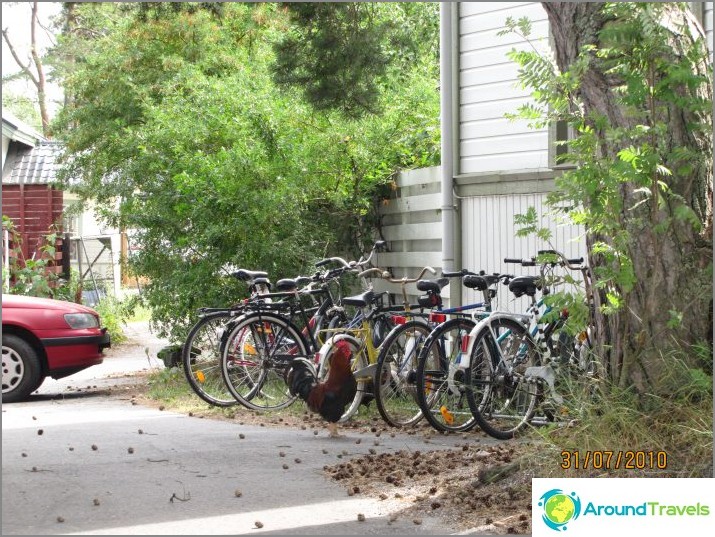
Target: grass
{"points": [[679, 424], [170, 388], [139, 314]]}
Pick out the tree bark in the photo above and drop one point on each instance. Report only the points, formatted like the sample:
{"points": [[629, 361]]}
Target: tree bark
{"points": [[668, 265]]}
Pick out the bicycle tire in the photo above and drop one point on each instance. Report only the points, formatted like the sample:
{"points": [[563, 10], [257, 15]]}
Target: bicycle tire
{"points": [[502, 401], [256, 359], [201, 359], [358, 361], [441, 387], [394, 385]]}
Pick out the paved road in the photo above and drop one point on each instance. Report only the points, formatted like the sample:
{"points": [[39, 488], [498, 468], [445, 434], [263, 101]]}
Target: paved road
{"points": [[198, 463]]}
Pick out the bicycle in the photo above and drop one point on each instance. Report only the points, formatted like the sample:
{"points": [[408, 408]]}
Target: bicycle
{"points": [[513, 356], [261, 344], [441, 382], [398, 359], [362, 339], [200, 355], [206, 340], [390, 367]]}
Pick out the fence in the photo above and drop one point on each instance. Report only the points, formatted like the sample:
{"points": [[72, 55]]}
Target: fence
{"points": [[411, 222]]}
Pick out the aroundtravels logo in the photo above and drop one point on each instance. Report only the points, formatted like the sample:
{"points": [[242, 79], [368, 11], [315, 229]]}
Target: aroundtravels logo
{"points": [[594, 507], [559, 508]]}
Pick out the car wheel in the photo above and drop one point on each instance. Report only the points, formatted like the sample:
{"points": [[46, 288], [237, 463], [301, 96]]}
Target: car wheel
{"points": [[21, 371]]}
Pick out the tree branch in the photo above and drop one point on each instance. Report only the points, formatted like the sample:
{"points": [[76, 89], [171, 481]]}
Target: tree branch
{"points": [[25, 68]]}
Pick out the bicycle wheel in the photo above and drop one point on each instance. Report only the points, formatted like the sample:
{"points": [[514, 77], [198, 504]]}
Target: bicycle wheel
{"points": [[395, 378], [201, 359], [359, 360], [501, 398], [441, 375], [256, 358]]}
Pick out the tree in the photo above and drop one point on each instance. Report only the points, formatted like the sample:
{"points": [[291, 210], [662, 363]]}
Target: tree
{"points": [[176, 129], [635, 82], [341, 55], [33, 68]]}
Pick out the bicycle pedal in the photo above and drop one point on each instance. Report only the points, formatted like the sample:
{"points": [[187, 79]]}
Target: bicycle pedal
{"points": [[447, 415]]}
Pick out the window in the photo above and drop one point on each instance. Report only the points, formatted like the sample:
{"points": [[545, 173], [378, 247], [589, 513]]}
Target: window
{"points": [[71, 218], [559, 131]]}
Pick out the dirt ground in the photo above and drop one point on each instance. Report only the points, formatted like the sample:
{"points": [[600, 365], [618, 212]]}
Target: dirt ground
{"points": [[477, 488]]}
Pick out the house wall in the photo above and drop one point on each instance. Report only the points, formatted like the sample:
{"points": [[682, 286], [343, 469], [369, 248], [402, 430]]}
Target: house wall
{"points": [[490, 236], [488, 89], [501, 166], [41, 209], [100, 247]]}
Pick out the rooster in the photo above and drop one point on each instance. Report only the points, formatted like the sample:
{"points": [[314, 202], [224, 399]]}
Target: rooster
{"points": [[330, 397]]}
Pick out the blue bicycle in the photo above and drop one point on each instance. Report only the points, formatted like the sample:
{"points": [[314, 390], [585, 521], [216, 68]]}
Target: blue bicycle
{"points": [[439, 383]]}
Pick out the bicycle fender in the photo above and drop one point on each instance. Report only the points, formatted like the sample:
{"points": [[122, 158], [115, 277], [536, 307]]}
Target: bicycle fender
{"points": [[330, 343], [484, 324]]}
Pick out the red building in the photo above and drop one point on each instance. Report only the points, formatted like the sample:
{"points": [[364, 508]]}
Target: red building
{"points": [[29, 198]]}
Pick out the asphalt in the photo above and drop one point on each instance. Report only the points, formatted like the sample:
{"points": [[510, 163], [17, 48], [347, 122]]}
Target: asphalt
{"points": [[76, 460]]}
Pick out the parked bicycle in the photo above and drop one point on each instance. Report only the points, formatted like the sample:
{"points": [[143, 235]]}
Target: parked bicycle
{"points": [[514, 357], [362, 338], [398, 359], [201, 355], [261, 344], [442, 376]]}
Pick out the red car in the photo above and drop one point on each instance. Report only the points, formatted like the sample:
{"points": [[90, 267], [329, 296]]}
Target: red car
{"points": [[43, 337]]}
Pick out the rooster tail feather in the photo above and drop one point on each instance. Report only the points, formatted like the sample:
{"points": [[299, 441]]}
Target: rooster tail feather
{"points": [[301, 378]]}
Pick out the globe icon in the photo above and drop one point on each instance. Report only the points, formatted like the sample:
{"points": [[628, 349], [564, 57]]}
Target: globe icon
{"points": [[559, 509]]}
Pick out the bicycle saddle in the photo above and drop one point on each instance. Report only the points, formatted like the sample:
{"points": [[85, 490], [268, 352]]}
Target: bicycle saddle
{"points": [[359, 301], [525, 285], [286, 284], [247, 275], [434, 286], [472, 281]]}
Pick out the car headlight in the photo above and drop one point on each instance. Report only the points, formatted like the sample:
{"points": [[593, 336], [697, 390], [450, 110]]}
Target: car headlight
{"points": [[81, 320]]}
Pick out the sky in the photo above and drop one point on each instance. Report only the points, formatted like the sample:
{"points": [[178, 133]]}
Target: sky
{"points": [[16, 19]]}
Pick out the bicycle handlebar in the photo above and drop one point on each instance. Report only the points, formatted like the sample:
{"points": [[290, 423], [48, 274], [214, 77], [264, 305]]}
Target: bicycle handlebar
{"points": [[385, 275], [352, 264], [340, 260], [458, 273], [381, 273], [572, 264]]}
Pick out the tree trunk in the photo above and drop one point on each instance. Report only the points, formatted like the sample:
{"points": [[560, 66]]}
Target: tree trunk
{"points": [[38, 77], [39, 81], [70, 25], [669, 266]]}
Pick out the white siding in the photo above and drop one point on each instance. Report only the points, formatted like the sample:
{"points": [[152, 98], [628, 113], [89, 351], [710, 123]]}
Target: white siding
{"points": [[488, 236], [488, 89], [708, 24]]}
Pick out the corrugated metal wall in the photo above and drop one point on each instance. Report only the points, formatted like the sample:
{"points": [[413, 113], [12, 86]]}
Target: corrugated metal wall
{"points": [[489, 235]]}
